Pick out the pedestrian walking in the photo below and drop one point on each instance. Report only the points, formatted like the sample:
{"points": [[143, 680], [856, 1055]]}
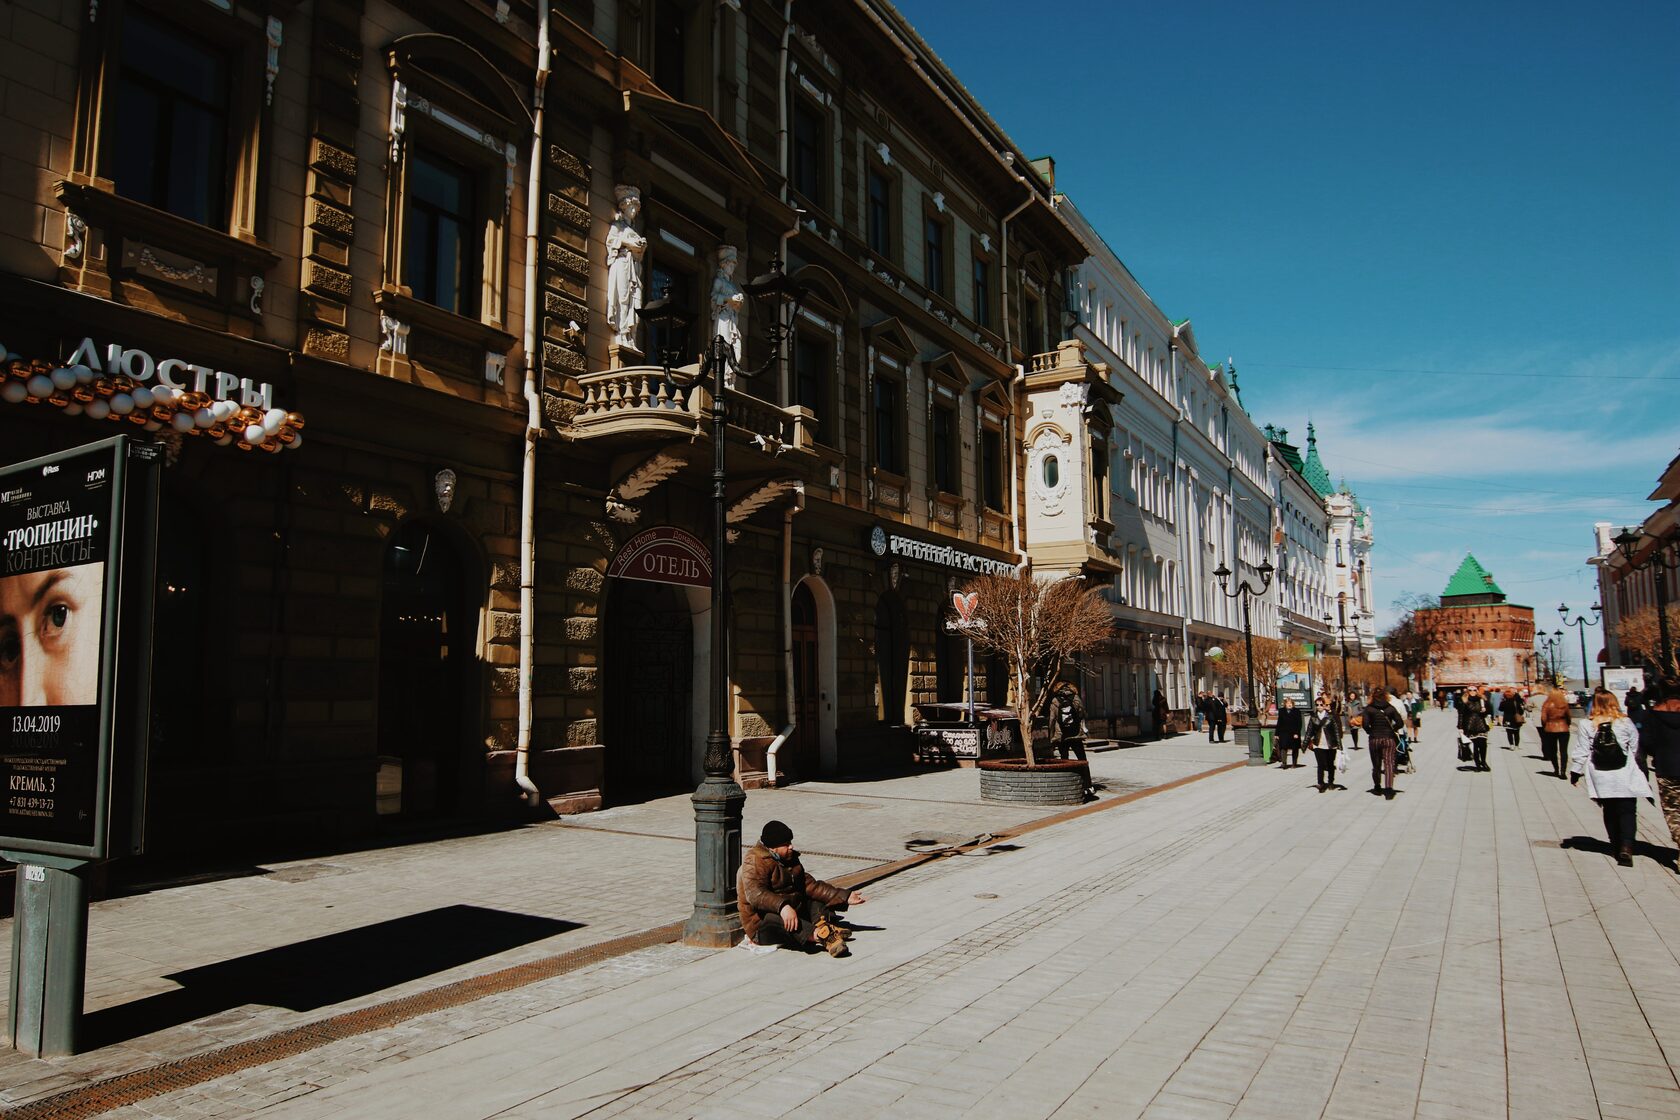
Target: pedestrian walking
{"points": [[1474, 723], [1636, 704], [1158, 708], [1512, 716], [1067, 723], [1286, 736], [1659, 746], [1554, 731], [1324, 736], [1217, 717], [1353, 705], [1602, 751], [1382, 733]]}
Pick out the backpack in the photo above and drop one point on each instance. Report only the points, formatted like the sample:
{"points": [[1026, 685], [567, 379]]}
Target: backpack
{"points": [[1067, 715], [1607, 752]]}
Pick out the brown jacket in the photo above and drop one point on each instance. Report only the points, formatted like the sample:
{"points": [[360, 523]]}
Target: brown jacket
{"points": [[767, 884], [1554, 713]]}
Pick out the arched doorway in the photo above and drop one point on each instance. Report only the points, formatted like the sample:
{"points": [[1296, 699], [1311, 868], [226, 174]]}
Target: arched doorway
{"points": [[649, 691], [892, 657], [427, 708]]}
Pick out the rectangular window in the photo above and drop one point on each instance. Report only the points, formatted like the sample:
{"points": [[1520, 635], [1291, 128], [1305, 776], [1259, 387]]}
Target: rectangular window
{"points": [[945, 440], [171, 137], [889, 452], [441, 255], [811, 364], [1099, 480], [880, 213], [933, 254], [808, 146], [991, 467], [982, 292], [663, 279], [670, 48], [1032, 325]]}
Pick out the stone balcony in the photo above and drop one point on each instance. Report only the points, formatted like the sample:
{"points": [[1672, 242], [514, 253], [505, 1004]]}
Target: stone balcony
{"points": [[636, 405]]}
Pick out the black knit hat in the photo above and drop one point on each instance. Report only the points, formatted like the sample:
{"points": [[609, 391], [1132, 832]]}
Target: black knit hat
{"points": [[775, 834]]}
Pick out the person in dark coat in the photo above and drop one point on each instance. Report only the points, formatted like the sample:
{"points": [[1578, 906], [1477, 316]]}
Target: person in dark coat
{"points": [[1324, 736], [1287, 735], [1158, 707], [780, 902], [1511, 715], [1475, 720], [1382, 738], [1217, 717], [1067, 726], [1659, 748]]}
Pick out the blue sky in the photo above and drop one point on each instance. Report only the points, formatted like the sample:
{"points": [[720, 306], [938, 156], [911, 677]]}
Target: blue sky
{"points": [[1448, 232]]}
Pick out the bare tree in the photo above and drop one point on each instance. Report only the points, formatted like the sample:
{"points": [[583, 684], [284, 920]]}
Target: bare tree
{"points": [[1038, 626], [1415, 639], [1640, 636]]}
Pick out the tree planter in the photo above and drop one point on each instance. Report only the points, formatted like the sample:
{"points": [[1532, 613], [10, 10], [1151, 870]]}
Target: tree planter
{"points": [[1061, 782]]}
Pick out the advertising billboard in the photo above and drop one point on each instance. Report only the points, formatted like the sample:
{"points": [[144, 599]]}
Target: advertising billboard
{"points": [[60, 563]]}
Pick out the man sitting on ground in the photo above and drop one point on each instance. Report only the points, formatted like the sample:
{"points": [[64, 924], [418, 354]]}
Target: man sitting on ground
{"points": [[781, 903]]}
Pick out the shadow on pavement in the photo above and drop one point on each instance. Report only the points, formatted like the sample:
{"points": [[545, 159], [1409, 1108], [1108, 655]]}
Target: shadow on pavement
{"points": [[323, 971], [1664, 856]]}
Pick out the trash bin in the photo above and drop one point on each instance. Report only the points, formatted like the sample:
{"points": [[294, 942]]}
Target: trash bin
{"points": [[1266, 743]]}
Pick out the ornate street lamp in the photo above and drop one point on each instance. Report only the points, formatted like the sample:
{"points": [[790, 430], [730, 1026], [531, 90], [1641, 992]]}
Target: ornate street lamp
{"points": [[719, 798], [1549, 643], [1343, 623], [1627, 543], [1245, 592], [1580, 623]]}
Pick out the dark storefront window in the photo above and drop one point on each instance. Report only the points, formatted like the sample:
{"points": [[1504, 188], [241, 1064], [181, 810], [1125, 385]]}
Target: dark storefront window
{"points": [[441, 255], [171, 135]]}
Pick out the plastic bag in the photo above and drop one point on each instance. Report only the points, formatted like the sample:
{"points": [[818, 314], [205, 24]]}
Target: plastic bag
{"points": [[1342, 761]]}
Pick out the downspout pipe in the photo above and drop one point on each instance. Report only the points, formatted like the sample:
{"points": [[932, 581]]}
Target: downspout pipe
{"points": [[783, 140], [528, 791], [770, 753], [1184, 521]]}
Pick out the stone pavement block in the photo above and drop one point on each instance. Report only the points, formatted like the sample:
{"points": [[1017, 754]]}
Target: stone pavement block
{"points": [[1173, 1106]]}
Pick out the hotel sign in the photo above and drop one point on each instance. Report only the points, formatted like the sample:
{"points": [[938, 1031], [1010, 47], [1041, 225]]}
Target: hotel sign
{"points": [[664, 554]]}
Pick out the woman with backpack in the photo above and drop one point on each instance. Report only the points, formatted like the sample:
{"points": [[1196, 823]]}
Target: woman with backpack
{"points": [[1602, 751], [1474, 723], [1382, 736], [1512, 714]]}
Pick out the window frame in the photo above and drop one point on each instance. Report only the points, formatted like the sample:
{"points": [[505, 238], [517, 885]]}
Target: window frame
{"points": [[822, 411], [873, 169], [895, 417], [816, 193], [981, 265], [931, 218]]}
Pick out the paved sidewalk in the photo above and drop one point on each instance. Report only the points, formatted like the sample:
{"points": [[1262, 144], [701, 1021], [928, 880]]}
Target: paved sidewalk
{"points": [[1241, 947], [183, 970]]}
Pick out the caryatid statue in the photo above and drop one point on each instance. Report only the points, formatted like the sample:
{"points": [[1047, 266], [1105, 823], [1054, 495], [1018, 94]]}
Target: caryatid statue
{"points": [[729, 302], [625, 247]]}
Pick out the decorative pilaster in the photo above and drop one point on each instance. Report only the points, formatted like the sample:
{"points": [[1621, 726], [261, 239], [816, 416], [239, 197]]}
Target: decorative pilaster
{"points": [[334, 108]]}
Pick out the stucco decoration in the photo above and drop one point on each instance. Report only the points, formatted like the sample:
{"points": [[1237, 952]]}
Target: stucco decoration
{"points": [[443, 485], [1050, 463], [625, 247], [1074, 394]]}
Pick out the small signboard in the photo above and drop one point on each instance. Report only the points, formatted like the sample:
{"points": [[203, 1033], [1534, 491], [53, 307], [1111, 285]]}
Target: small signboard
{"points": [[60, 563], [1620, 680], [664, 554], [1294, 682]]}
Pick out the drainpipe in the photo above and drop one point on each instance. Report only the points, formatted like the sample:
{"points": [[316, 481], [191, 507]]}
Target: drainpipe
{"points": [[770, 752], [782, 144], [1183, 504], [533, 426]]}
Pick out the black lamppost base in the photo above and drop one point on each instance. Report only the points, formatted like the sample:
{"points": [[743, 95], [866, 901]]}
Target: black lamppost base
{"points": [[1256, 748], [716, 923]]}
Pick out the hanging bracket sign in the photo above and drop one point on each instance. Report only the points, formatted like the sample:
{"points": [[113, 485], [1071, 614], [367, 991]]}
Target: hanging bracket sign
{"points": [[664, 554]]}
